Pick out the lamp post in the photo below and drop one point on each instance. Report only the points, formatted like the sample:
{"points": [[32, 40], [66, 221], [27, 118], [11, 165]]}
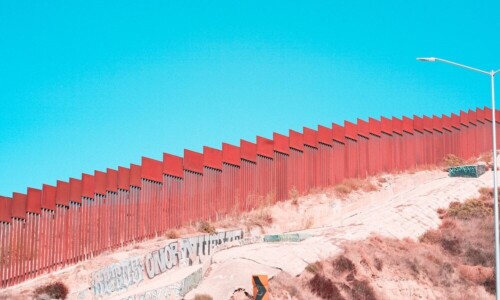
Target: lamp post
{"points": [[495, 188]]}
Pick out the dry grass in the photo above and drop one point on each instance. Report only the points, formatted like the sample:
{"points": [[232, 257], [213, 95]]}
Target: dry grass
{"points": [[451, 160], [205, 227], [284, 287], [307, 222], [342, 190], [172, 234], [315, 267], [56, 290], [354, 184], [294, 195], [203, 297], [268, 200], [486, 157], [261, 218], [369, 187]]}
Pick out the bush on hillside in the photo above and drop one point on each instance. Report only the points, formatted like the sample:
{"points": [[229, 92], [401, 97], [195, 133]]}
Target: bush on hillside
{"points": [[56, 290], [206, 227], [451, 160], [471, 208], [324, 288]]}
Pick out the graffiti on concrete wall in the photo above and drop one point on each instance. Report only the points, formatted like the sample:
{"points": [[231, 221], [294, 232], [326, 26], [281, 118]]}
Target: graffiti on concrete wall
{"points": [[467, 171], [187, 251], [178, 289], [183, 252], [117, 277]]}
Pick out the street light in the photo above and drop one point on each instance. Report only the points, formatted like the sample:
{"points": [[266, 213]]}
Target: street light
{"points": [[495, 188]]}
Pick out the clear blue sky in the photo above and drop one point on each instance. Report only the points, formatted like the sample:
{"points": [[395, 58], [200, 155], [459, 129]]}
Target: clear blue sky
{"points": [[96, 84]]}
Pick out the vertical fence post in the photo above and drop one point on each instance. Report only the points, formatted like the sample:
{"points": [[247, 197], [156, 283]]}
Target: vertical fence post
{"points": [[409, 144], [136, 204], [437, 139], [249, 182], [87, 202], [310, 153], [115, 209], [34, 208], [281, 154], [100, 210], [61, 215], [386, 144], [363, 140], [193, 176], [231, 164], [18, 212], [325, 150], [374, 151], [75, 202], [265, 170], [456, 133], [465, 144], [339, 140], [397, 153], [296, 171], [428, 141], [5, 233], [473, 130], [418, 135], [351, 150], [124, 200], [447, 131], [481, 136], [173, 170], [213, 204], [152, 178], [48, 207], [488, 128]]}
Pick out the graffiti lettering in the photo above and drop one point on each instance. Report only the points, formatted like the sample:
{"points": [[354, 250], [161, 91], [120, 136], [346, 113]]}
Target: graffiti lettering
{"points": [[183, 252], [186, 252], [117, 277]]}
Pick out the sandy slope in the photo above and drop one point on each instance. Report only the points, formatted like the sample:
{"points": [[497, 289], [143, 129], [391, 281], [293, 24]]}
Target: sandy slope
{"points": [[404, 206]]}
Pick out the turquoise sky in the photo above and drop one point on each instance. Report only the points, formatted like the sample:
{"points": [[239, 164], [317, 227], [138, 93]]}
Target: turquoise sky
{"points": [[92, 85]]}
